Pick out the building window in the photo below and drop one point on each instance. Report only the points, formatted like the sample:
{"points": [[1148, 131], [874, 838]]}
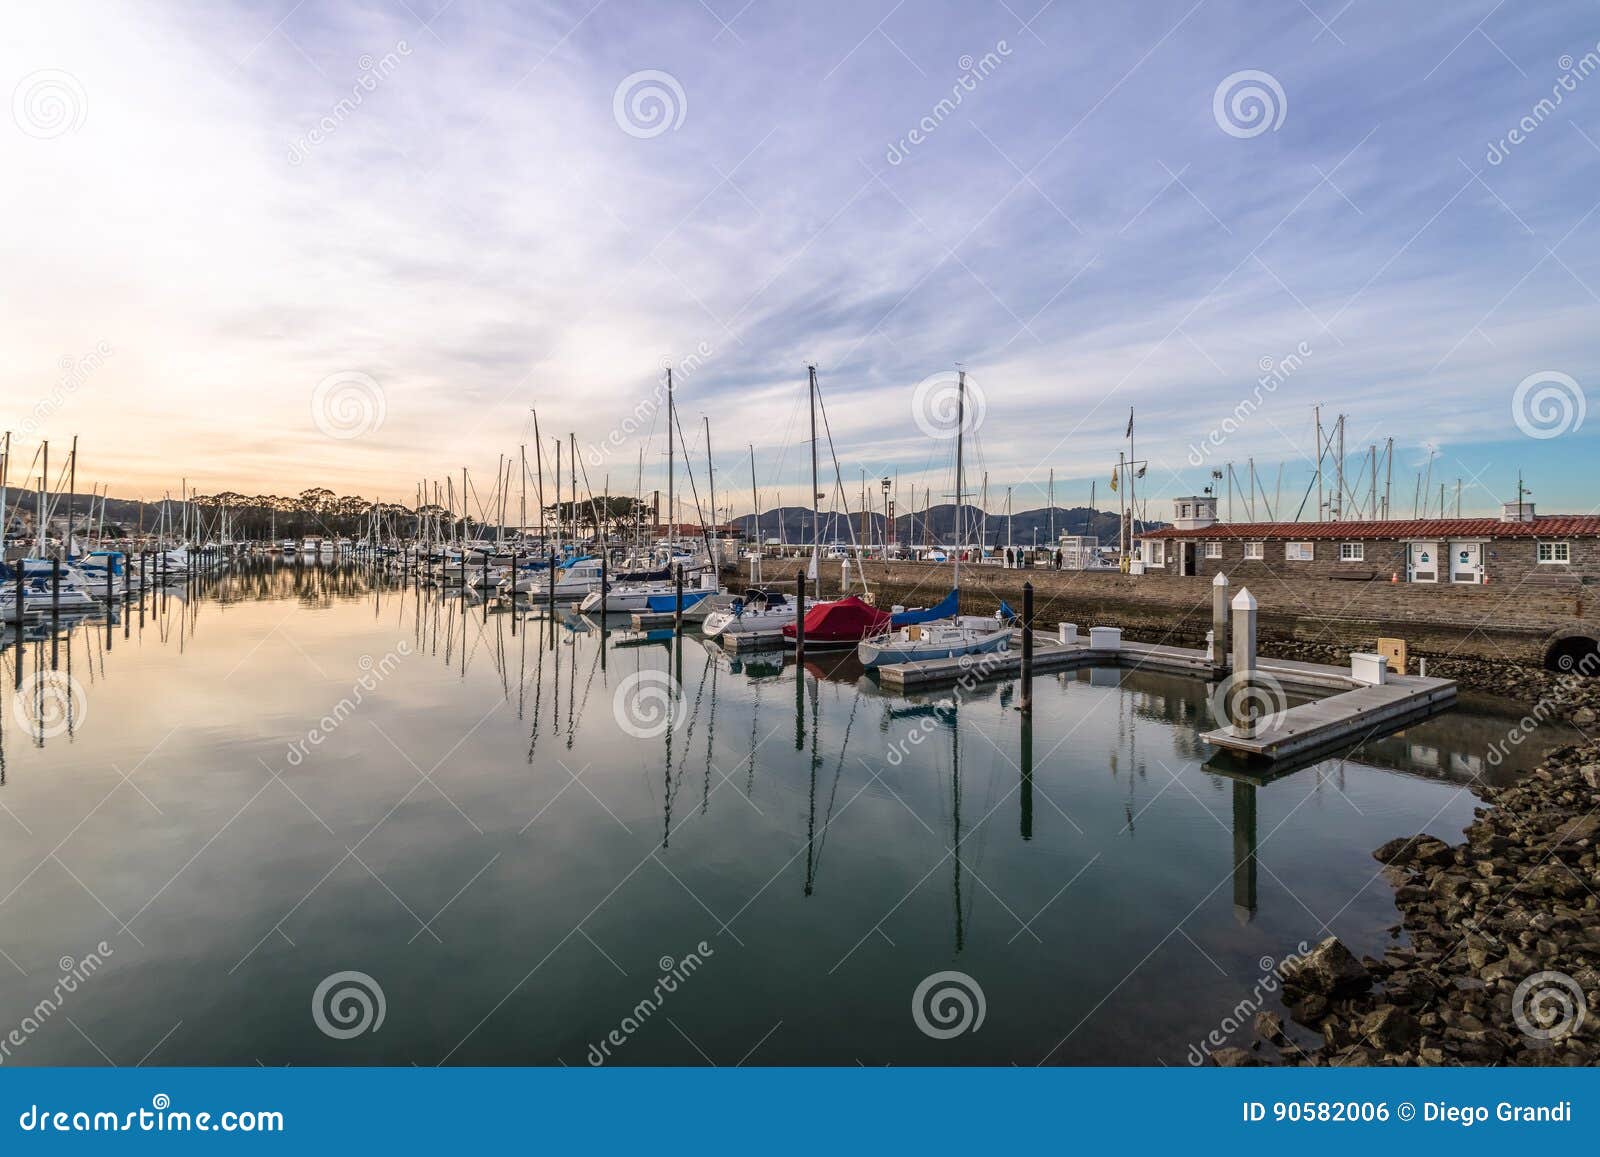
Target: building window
{"points": [[1154, 552], [1555, 552], [1213, 550], [1352, 552], [1298, 552], [1255, 550]]}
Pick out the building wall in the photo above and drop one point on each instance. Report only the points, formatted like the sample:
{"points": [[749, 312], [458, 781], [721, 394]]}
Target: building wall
{"points": [[1506, 560]]}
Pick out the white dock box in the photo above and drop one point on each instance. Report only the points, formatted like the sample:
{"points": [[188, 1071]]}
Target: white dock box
{"points": [[1105, 638], [1369, 669], [1067, 633]]}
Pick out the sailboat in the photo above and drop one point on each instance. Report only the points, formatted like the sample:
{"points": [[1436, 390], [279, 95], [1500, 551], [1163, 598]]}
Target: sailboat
{"points": [[940, 632], [656, 591], [842, 622], [755, 610]]}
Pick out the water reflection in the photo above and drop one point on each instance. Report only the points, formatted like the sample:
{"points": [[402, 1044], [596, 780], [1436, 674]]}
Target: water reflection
{"points": [[854, 861]]}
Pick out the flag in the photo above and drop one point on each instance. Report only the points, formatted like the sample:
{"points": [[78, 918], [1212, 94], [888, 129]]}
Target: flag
{"points": [[1113, 479], [1129, 434], [1140, 474]]}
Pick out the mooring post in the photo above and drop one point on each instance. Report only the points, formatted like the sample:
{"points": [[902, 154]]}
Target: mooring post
{"points": [[55, 588], [677, 610], [604, 593], [1219, 623], [800, 617], [20, 562], [486, 586], [1240, 699], [550, 578], [1027, 646]]}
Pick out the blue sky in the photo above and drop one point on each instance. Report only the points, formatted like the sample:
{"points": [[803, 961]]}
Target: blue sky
{"points": [[213, 235]]}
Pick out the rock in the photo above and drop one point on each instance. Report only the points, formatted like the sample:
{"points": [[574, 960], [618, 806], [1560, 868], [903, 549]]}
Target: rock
{"points": [[1390, 1028], [1232, 1058], [1583, 717], [1418, 849], [1581, 828], [1269, 1027], [1328, 968]]}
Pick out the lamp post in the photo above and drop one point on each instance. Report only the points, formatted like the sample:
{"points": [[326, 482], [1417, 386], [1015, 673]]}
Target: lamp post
{"points": [[888, 516]]}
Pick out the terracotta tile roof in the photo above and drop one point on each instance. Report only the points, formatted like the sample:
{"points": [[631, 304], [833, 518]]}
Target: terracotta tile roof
{"points": [[1544, 526]]}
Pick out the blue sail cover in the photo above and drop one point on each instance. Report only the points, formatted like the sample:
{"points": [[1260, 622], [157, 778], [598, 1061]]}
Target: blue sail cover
{"points": [[946, 609], [668, 602]]}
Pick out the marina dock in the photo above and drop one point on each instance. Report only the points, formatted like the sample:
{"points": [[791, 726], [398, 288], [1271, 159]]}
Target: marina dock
{"points": [[1347, 709]]}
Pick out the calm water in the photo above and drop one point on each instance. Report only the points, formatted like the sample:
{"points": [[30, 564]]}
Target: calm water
{"points": [[294, 774]]}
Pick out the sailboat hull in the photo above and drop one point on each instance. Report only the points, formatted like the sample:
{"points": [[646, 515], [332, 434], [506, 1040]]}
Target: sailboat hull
{"points": [[898, 648]]}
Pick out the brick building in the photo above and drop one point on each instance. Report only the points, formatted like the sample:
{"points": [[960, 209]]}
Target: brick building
{"points": [[1519, 547]]}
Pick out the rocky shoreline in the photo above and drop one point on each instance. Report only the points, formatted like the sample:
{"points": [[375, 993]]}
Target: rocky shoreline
{"points": [[1498, 960]]}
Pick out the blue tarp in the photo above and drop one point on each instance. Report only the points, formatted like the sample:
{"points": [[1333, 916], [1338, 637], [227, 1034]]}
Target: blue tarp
{"points": [[946, 609]]}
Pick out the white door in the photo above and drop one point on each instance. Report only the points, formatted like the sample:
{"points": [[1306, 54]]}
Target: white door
{"points": [[1466, 562], [1424, 562]]}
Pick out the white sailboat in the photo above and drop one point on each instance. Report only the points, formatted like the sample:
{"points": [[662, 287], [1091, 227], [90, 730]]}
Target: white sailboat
{"points": [[940, 633]]}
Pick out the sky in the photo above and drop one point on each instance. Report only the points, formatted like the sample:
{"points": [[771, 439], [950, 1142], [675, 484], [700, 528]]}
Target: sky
{"points": [[272, 245]]}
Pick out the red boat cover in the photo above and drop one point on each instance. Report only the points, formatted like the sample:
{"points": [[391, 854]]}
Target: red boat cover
{"points": [[847, 620]]}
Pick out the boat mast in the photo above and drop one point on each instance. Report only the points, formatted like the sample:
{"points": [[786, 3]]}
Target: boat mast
{"points": [[538, 464], [961, 419], [755, 502], [711, 488], [816, 517], [671, 449]]}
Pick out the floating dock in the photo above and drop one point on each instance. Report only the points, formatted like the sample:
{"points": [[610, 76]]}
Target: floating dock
{"points": [[1348, 709]]}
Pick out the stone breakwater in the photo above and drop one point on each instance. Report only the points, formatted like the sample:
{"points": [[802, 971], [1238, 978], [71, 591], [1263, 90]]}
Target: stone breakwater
{"points": [[1497, 959]]}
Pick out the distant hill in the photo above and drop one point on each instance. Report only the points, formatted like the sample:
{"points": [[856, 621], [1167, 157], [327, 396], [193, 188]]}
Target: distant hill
{"points": [[793, 525]]}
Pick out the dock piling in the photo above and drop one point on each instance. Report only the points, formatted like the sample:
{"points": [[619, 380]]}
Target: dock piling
{"points": [[1219, 623], [1027, 647], [1241, 702], [800, 617], [677, 609]]}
